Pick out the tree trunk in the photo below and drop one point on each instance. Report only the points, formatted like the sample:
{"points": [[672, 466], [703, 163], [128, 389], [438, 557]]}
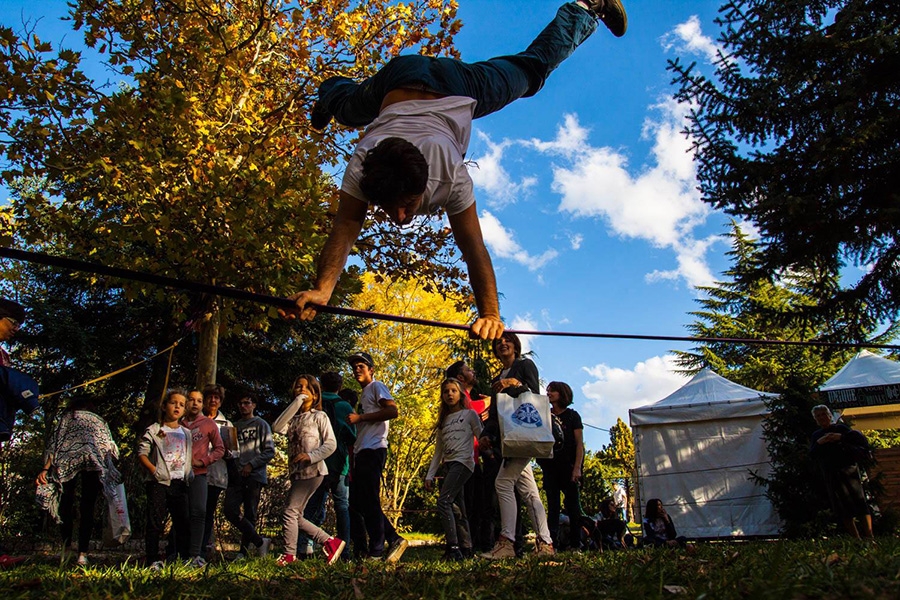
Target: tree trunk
{"points": [[156, 384], [208, 354]]}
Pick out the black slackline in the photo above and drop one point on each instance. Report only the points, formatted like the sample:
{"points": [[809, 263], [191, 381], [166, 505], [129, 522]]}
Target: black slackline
{"points": [[238, 294]]}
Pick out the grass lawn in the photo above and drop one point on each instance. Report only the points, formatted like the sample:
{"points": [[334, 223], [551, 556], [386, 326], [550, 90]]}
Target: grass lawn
{"points": [[795, 570]]}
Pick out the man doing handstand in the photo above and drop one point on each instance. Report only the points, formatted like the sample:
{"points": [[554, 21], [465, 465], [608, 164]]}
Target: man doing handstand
{"points": [[411, 161]]}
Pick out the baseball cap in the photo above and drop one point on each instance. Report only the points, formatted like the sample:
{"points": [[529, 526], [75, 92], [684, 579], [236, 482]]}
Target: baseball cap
{"points": [[363, 357], [11, 309]]}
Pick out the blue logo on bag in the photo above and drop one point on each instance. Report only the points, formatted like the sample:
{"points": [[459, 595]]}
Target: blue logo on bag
{"points": [[527, 416]]}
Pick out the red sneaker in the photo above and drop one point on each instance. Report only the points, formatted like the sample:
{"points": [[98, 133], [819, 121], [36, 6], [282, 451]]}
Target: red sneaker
{"points": [[285, 559], [7, 561], [333, 548]]}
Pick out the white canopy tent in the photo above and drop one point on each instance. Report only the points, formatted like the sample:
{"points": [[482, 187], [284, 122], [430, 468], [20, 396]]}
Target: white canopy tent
{"points": [[867, 389], [695, 449]]}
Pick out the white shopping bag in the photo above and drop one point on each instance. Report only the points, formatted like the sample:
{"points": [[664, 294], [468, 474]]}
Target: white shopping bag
{"points": [[119, 523], [525, 427]]}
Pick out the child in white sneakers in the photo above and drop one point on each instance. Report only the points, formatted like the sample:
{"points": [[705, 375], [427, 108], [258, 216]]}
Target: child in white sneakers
{"points": [[310, 441]]}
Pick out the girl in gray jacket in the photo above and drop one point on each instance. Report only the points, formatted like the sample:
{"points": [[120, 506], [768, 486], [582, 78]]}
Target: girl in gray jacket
{"points": [[310, 441], [164, 452]]}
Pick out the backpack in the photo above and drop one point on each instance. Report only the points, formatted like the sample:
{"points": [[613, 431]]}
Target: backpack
{"points": [[18, 391]]}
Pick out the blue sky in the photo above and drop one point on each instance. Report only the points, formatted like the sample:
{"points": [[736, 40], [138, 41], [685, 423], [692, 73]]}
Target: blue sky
{"points": [[586, 195]]}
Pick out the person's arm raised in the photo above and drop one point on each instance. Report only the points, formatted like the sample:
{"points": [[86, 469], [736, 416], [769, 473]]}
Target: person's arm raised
{"points": [[469, 240], [348, 222]]}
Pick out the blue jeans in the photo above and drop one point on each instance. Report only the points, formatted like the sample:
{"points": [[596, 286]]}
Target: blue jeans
{"points": [[492, 83], [339, 486]]}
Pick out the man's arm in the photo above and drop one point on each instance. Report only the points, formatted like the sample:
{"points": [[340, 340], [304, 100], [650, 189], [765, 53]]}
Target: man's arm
{"points": [[467, 232], [388, 411], [347, 224]]}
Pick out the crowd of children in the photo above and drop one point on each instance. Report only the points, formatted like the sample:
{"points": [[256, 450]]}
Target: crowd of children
{"points": [[338, 448]]}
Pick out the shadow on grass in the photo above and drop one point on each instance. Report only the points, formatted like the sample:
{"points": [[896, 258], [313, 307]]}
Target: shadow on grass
{"points": [[811, 569]]}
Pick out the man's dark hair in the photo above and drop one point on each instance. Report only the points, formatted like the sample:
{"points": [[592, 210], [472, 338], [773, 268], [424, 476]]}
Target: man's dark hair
{"points": [[454, 370], [349, 396], [331, 381], [393, 171]]}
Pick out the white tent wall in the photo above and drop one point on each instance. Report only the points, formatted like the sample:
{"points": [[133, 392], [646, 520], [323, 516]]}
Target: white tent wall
{"points": [[695, 449], [701, 472]]}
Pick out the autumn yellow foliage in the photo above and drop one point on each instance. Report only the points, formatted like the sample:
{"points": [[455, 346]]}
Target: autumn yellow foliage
{"points": [[410, 360]]}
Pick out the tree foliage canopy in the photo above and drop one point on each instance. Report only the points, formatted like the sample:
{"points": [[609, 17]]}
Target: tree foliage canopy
{"points": [[748, 304], [798, 131], [410, 360], [200, 162]]}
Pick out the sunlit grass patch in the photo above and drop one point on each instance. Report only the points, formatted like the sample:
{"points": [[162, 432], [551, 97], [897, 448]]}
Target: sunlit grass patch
{"points": [[811, 569]]}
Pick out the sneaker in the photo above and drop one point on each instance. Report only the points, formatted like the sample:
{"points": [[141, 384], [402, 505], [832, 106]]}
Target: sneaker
{"points": [[7, 561], [239, 557], [542, 549], [82, 560], [396, 550], [157, 566], [264, 546], [333, 548], [502, 549], [285, 559], [453, 553], [198, 562], [612, 13]]}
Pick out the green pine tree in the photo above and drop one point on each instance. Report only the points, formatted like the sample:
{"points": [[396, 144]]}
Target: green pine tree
{"points": [[796, 131]]}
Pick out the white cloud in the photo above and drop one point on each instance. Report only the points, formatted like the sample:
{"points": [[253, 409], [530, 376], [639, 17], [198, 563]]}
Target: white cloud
{"points": [[660, 204], [576, 240], [750, 229], [613, 390], [571, 138], [688, 37], [525, 323], [489, 175], [502, 244], [692, 266]]}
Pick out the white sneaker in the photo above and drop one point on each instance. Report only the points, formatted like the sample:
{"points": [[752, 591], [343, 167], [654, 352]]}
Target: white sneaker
{"points": [[240, 557], [157, 566], [82, 560], [264, 547], [198, 562]]}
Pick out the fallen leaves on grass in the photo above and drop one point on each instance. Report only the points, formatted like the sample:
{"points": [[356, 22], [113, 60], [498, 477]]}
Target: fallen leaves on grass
{"points": [[27, 584], [357, 593], [833, 559]]}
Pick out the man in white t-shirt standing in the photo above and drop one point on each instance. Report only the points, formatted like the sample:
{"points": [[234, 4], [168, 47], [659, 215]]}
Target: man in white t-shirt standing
{"points": [[376, 408], [411, 161]]}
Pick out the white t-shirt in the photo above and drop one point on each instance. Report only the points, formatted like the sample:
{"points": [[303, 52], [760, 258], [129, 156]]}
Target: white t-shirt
{"points": [[455, 440], [174, 446], [371, 435], [440, 129]]}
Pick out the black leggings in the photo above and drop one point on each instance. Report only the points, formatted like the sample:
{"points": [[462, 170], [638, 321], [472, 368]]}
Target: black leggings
{"points": [[90, 489]]}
